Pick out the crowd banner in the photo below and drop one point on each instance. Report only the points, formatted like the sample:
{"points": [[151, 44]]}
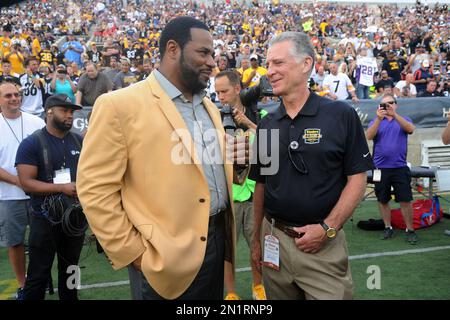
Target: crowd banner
{"points": [[424, 112]]}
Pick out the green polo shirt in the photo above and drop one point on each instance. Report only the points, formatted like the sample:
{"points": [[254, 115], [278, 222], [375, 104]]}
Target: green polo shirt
{"points": [[244, 192]]}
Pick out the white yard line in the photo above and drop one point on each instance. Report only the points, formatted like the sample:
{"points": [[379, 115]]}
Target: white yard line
{"points": [[357, 257]]}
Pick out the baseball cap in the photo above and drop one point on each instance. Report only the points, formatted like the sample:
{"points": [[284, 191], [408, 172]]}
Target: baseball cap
{"points": [[253, 56], [61, 100]]}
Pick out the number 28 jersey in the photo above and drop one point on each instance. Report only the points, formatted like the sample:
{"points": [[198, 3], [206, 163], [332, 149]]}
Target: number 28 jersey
{"points": [[365, 69], [32, 96]]}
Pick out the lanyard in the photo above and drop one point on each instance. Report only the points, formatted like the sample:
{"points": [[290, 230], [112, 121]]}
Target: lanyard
{"points": [[10, 128]]}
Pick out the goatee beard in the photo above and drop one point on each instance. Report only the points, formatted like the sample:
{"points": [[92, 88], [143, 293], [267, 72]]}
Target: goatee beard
{"points": [[191, 77], [61, 126]]}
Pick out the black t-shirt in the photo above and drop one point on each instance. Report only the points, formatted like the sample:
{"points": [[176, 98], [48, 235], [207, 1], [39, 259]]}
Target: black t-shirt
{"points": [[327, 140], [426, 94], [384, 83], [64, 153], [393, 68]]}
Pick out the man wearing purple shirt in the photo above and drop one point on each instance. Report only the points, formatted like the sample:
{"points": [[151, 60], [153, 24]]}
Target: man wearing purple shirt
{"points": [[389, 132]]}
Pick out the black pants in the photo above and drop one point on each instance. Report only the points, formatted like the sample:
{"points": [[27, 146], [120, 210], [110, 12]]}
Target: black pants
{"points": [[207, 285], [45, 240]]}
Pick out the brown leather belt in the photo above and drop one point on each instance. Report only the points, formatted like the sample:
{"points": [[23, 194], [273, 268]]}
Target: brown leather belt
{"points": [[286, 228]]}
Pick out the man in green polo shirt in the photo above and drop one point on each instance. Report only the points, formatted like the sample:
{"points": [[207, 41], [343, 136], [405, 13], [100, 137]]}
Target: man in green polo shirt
{"points": [[228, 87]]}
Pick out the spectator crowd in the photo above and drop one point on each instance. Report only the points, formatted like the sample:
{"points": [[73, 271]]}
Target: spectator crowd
{"points": [[56, 56], [86, 48]]}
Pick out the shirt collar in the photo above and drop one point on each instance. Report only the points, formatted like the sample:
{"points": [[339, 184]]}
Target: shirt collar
{"points": [[173, 92], [167, 86], [309, 109]]}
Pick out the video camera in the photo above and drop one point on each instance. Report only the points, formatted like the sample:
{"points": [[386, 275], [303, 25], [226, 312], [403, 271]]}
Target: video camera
{"points": [[251, 95]]}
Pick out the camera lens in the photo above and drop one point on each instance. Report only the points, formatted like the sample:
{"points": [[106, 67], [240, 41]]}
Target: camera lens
{"points": [[227, 118]]}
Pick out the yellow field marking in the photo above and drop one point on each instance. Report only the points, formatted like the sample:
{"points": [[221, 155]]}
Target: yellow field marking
{"points": [[8, 292]]}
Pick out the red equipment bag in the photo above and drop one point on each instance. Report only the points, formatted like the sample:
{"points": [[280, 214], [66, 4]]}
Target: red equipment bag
{"points": [[426, 212]]}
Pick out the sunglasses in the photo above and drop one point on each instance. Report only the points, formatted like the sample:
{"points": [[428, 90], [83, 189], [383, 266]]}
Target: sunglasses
{"points": [[296, 158], [10, 95], [386, 104]]}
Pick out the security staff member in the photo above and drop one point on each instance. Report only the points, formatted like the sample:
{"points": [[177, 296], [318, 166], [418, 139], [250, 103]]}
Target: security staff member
{"points": [[47, 236], [308, 183]]}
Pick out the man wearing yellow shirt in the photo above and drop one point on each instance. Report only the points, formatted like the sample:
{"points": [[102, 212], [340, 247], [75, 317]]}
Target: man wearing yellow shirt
{"points": [[35, 46], [245, 64], [323, 26], [5, 41], [16, 58], [253, 74]]}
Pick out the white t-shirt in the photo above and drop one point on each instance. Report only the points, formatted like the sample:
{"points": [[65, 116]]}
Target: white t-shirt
{"points": [[367, 68], [401, 84], [9, 143], [339, 85], [32, 101]]}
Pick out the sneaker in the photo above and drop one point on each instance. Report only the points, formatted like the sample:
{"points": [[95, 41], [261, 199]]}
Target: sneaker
{"points": [[20, 294], [232, 296], [259, 293], [411, 237], [387, 233]]}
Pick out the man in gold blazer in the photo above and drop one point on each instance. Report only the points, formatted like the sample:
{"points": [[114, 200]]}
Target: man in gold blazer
{"points": [[152, 177]]}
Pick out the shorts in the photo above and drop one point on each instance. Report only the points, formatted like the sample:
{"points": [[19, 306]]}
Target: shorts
{"points": [[400, 180], [14, 218]]}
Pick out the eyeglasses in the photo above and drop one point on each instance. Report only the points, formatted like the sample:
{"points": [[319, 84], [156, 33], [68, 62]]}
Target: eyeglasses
{"points": [[385, 105], [296, 158], [10, 95]]}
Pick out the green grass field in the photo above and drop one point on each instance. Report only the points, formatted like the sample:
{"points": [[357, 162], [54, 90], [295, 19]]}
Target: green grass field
{"points": [[420, 275]]}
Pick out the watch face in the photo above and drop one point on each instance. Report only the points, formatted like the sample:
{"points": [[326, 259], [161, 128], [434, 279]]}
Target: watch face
{"points": [[331, 233]]}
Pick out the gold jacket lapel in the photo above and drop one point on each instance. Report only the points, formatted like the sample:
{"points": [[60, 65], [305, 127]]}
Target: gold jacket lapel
{"points": [[170, 110]]}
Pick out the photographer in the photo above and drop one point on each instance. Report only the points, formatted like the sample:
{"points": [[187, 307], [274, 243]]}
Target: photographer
{"points": [[16, 58], [252, 75], [228, 87], [389, 132], [52, 152], [61, 83]]}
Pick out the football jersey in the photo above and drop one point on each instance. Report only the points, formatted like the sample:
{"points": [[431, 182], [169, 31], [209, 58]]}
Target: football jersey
{"points": [[32, 99], [365, 70], [338, 84]]}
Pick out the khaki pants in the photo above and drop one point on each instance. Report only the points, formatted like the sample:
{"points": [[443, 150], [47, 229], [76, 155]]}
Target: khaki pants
{"points": [[324, 275], [243, 212]]}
